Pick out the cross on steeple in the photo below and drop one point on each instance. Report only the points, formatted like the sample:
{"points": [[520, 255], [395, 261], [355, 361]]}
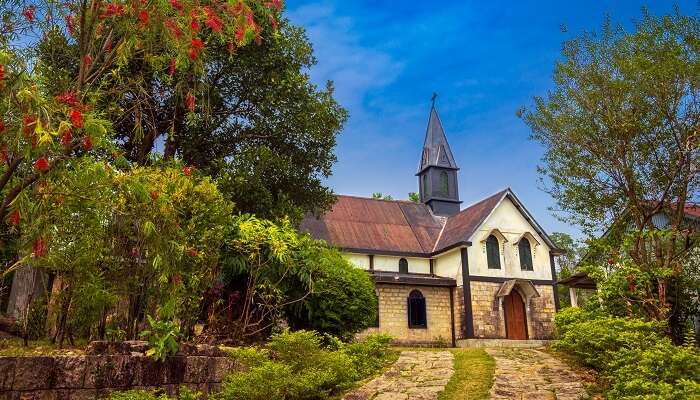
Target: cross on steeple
{"points": [[433, 98]]}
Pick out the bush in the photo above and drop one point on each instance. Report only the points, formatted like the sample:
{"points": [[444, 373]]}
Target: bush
{"points": [[343, 301], [296, 366], [370, 354], [185, 394], [633, 355], [594, 339]]}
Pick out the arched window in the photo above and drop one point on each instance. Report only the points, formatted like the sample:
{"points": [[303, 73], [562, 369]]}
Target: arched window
{"points": [[425, 185], [403, 266], [444, 184], [416, 310], [525, 254], [493, 255]]}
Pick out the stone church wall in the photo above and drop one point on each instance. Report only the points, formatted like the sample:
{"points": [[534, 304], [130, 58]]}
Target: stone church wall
{"points": [[488, 317], [393, 314]]}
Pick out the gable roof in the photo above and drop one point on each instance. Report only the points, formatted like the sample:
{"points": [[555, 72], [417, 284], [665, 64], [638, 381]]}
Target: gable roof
{"points": [[436, 150], [399, 227]]}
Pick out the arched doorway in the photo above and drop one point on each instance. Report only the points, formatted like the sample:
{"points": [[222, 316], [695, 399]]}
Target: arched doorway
{"points": [[514, 312]]}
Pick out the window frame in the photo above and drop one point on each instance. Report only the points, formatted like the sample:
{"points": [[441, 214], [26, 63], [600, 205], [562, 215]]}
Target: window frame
{"points": [[524, 266], [491, 241], [416, 304], [403, 266], [444, 183]]}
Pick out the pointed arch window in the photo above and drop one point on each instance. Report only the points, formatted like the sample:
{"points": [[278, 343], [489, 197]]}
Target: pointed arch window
{"points": [[493, 254], [444, 183], [525, 252], [403, 266], [417, 318]]}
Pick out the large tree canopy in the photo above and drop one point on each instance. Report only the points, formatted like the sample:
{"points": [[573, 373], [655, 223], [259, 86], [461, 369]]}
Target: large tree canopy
{"points": [[620, 130], [264, 129]]}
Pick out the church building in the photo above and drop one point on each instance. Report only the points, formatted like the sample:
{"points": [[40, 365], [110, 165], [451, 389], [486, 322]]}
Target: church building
{"points": [[444, 273]]}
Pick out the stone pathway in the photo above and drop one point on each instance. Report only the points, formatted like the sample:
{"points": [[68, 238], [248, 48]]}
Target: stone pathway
{"points": [[531, 374], [416, 375]]}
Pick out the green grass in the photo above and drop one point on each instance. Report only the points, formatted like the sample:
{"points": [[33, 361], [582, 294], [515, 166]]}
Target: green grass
{"points": [[473, 375]]}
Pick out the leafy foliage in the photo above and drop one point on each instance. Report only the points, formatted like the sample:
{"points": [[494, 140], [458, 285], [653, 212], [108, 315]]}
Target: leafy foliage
{"points": [[343, 300], [633, 355], [162, 337], [621, 147], [299, 367]]}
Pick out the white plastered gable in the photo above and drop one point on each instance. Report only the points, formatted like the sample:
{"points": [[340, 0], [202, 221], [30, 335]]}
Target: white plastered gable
{"points": [[510, 223]]}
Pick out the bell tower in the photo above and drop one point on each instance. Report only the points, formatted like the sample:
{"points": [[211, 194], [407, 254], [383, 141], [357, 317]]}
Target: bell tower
{"points": [[437, 171]]}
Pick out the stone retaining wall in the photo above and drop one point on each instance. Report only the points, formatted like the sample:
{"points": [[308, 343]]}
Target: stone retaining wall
{"points": [[107, 367]]}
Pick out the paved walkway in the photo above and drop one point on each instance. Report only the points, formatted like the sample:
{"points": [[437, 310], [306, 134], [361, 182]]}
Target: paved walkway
{"points": [[530, 374], [416, 375]]}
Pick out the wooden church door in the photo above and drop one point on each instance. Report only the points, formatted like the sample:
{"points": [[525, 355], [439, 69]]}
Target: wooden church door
{"points": [[514, 310]]}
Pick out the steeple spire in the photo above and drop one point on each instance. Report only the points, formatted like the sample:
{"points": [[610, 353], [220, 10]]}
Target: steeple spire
{"points": [[437, 170]]}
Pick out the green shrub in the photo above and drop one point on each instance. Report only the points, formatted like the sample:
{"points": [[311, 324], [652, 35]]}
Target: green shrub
{"points": [[371, 354], [297, 366], [185, 394], [633, 355], [661, 371], [343, 301], [595, 339]]}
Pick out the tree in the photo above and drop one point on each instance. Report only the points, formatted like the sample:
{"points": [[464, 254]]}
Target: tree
{"points": [[263, 128], [381, 196], [51, 114], [620, 131], [413, 196], [567, 262]]}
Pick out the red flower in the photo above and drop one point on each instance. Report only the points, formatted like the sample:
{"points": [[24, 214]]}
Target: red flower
{"points": [[154, 195], [190, 102], [143, 17], [213, 21], [76, 118], [194, 25], [39, 248], [177, 280], [172, 67], [249, 18], [68, 98], [240, 33], [87, 143], [611, 261], [273, 22], [28, 128], [70, 23], [176, 5], [193, 252], [112, 10], [274, 4], [2, 72], [67, 138], [231, 47], [187, 171], [29, 14], [2, 126], [15, 218], [42, 164], [196, 46], [173, 28], [87, 60]]}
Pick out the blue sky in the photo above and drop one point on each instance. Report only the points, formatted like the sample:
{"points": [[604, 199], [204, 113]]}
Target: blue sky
{"points": [[485, 59]]}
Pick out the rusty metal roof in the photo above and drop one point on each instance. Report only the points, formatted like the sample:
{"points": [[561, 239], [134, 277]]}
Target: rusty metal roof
{"points": [[402, 227]]}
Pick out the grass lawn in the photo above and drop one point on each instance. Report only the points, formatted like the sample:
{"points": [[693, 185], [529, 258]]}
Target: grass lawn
{"points": [[473, 375]]}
